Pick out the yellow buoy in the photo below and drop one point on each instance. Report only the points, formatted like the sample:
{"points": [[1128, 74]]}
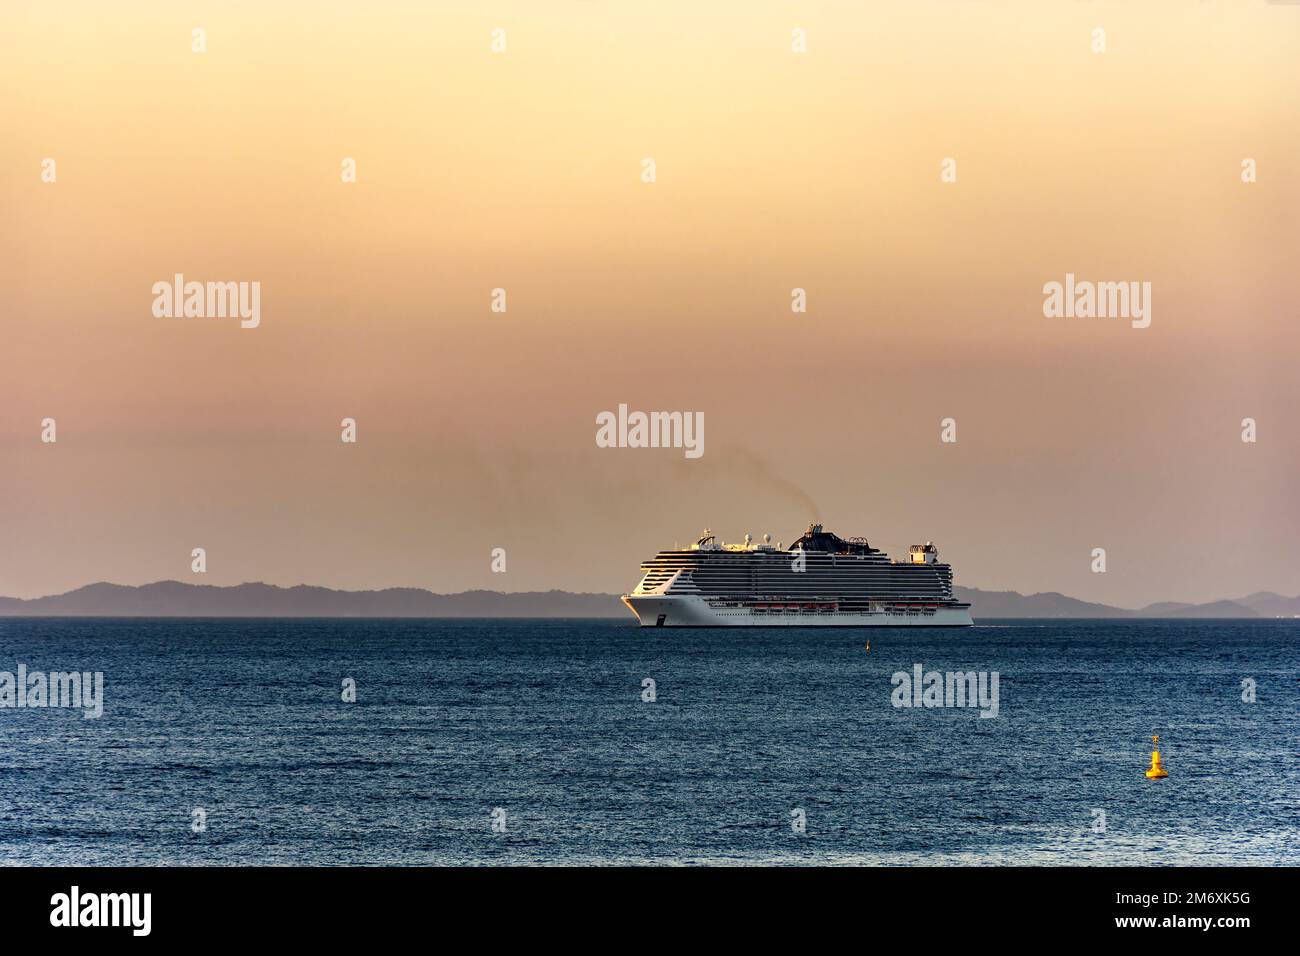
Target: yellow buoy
{"points": [[1155, 771]]}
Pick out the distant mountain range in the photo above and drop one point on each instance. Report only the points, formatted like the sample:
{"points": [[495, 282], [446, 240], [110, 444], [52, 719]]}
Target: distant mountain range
{"points": [[176, 599], [1051, 604]]}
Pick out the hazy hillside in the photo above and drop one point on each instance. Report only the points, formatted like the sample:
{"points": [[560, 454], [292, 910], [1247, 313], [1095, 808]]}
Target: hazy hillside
{"points": [[175, 599], [1268, 604], [1048, 604]]}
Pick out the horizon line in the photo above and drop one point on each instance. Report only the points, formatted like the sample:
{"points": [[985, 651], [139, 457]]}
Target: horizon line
{"points": [[602, 594]]}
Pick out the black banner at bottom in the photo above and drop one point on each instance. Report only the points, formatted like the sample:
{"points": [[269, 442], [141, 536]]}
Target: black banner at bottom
{"points": [[338, 905]]}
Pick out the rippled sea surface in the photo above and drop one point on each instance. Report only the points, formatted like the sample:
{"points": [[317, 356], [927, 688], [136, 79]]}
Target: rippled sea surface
{"points": [[545, 720]]}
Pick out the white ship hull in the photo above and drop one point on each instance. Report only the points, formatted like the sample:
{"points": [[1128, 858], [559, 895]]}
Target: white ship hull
{"points": [[688, 610]]}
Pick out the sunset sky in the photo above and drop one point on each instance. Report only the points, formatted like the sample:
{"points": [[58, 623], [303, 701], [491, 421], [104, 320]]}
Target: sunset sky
{"points": [[522, 170]]}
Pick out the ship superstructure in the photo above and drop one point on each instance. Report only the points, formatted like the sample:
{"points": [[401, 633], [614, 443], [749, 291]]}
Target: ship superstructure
{"points": [[822, 579]]}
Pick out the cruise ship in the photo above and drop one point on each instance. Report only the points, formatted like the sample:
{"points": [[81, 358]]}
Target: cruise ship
{"points": [[822, 580]]}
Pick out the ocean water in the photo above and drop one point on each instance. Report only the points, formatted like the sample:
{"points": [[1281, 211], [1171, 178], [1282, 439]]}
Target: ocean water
{"points": [[544, 721]]}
